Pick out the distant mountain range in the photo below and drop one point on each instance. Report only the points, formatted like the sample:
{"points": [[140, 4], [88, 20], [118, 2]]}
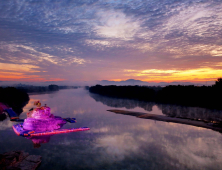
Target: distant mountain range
{"points": [[144, 83], [126, 82]]}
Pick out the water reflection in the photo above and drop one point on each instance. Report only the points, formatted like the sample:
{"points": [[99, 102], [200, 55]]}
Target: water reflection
{"points": [[116, 141], [194, 113], [191, 112], [120, 103], [38, 140]]}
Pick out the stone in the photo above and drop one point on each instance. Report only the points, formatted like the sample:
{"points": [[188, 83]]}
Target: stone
{"points": [[23, 155], [28, 165], [19, 160], [34, 158]]}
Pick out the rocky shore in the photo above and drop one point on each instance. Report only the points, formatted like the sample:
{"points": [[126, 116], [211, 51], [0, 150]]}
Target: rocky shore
{"points": [[19, 160]]}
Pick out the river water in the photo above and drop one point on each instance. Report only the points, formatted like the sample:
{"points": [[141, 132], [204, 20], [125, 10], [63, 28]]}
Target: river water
{"points": [[117, 141]]}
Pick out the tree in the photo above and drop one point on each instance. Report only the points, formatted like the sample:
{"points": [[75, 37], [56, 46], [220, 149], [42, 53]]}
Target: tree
{"points": [[53, 87], [218, 83]]}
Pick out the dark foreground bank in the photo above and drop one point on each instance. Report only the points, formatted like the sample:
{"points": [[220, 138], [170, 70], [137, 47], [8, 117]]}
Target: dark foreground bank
{"points": [[14, 98], [18, 160], [203, 96]]}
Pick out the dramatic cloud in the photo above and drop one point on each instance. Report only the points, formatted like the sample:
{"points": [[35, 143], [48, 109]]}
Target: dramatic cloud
{"points": [[158, 40]]}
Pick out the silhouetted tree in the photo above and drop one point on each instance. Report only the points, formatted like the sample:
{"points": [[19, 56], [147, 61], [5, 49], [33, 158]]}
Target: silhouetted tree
{"points": [[200, 96], [53, 87], [218, 83], [15, 98]]}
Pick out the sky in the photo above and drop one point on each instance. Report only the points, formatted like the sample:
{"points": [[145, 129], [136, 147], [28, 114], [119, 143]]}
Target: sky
{"points": [[87, 40]]}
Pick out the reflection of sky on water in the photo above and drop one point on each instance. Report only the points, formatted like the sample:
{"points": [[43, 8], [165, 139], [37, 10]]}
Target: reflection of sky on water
{"points": [[127, 104], [161, 109], [116, 141]]}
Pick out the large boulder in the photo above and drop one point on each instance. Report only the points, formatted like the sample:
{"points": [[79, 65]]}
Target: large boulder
{"points": [[19, 160]]}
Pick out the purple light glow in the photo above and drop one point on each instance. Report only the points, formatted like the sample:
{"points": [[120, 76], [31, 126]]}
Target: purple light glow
{"points": [[37, 140], [40, 119]]}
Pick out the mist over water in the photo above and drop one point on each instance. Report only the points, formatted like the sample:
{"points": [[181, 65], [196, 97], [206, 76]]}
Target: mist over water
{"points": [[117, 141]]}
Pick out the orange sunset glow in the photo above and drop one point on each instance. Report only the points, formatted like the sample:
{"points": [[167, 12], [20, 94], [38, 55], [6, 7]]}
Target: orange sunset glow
{"points": [[136, 80], [176, 42]]}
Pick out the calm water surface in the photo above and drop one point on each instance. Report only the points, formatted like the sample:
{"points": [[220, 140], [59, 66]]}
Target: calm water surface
{"points": [[118, 141]]}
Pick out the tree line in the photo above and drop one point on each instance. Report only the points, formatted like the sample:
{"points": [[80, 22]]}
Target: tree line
{"points": [[14, 98], [199, 96]]}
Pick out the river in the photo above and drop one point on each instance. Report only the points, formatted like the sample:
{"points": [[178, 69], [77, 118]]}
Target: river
{"points": [[117, 141]]}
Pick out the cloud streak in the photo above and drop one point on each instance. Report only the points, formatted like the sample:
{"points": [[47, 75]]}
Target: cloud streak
{"points": [[89, 40]]}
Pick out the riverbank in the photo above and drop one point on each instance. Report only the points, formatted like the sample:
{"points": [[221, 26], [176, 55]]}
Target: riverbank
{"points": [[11, 97], [207, 125], [42, 89], [194, 96]]}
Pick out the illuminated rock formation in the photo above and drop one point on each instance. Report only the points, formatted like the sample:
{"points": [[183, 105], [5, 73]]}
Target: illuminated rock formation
{"points": [[40, 119]]}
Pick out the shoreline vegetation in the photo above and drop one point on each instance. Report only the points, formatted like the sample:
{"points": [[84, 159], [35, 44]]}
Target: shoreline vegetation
{"points": [[14, 98], [17, 97], [194, 96], [42, 89], [169, 110]]}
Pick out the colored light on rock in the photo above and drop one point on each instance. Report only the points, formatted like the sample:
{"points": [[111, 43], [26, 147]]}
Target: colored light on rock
{"points": [[40, 119]]}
